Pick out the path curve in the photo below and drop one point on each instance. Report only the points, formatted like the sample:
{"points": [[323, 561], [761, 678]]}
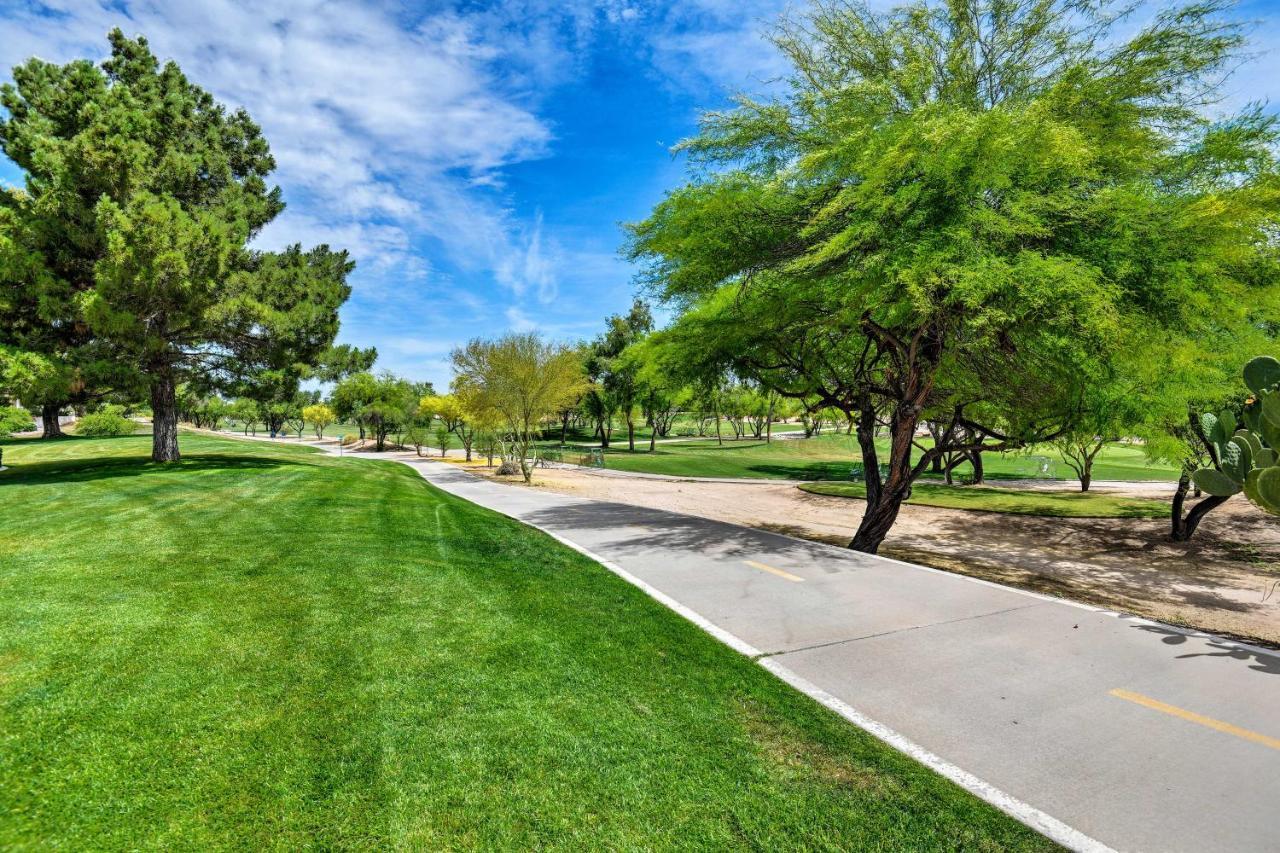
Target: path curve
{"points": [[1099, 729]]}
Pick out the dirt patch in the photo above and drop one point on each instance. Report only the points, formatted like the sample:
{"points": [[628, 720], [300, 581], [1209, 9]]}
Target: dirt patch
{"points": [[1218, 582]]}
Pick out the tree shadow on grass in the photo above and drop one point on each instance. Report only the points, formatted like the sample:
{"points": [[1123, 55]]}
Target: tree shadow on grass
{"points": [[811, 471], [86, 470]]}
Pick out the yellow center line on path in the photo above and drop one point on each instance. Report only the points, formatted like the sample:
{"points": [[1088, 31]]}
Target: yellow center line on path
{"points": [[771, 570], [1191, 716]]}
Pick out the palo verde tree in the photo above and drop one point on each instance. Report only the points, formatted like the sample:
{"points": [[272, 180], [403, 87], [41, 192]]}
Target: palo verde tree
{"points": [[141, 194], [319, 416], [962, 213], [521, 379]]}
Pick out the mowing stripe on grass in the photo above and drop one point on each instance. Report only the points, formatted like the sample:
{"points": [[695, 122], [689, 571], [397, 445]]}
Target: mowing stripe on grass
{"points": [[1020, 811]]}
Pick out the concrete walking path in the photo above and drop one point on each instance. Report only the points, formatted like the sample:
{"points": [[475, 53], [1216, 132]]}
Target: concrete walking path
{"points": [[1101, 730]]}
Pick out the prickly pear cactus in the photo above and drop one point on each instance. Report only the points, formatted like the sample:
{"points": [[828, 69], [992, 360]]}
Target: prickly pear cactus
{"points": [[1247, 458]]}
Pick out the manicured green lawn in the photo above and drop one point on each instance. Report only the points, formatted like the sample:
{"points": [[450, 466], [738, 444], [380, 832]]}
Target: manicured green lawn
{"points": [[830, 457], [1017, 501], [265, 647], [308, 432]]}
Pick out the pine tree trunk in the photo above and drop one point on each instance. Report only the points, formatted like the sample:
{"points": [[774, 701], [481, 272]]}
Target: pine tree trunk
{"points": [[49, 420], [164, 418]]}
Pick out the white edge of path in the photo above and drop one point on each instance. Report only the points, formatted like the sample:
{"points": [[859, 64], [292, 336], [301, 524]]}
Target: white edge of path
{"points": [[1024, 813]]}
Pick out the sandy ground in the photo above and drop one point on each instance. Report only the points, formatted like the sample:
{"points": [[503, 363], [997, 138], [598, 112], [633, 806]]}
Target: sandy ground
{"points": [[1217, 582]]}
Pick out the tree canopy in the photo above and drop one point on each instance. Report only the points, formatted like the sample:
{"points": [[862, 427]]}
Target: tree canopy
{"points": [[967, 213], [522, 380], [142, 193]]}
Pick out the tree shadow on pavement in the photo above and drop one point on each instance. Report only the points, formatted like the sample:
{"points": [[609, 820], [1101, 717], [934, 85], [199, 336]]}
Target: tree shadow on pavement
{"points": [[637, 530], [630, 530], [1261, 661]]}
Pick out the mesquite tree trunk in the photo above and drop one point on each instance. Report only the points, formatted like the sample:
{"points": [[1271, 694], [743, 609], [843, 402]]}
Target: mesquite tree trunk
{"points": [[885, 499], [1183, 528], [49, 420], [975, 459], [936, 465], [164, 417]]}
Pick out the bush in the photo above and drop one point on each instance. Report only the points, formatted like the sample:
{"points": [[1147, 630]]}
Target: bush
{"points": [[13, 419], [105, 423]]}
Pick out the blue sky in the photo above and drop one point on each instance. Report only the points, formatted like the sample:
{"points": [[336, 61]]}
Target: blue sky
{"points": [[475, 158]]}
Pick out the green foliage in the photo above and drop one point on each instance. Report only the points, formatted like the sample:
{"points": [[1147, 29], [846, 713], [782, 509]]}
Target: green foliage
{"points": [[141, 196], [971, 213], [342, 360], [105, 423], [244, 411], [382, 404], [444, 437], [319, 416], [314, 653], [13, 419], [1261, 373], [614, 384], [517, 381]]}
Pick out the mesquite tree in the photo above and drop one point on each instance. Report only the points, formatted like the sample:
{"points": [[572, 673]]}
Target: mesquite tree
{"points": [[964, 213], [141, 195]]}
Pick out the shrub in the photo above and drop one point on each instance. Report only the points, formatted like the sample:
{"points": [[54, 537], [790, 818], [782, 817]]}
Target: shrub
{"points": [[13, 419], [105, 423]]}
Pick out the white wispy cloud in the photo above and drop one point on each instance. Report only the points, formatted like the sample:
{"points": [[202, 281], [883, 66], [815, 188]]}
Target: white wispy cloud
{"points": [[381, 128], [396, 130]]}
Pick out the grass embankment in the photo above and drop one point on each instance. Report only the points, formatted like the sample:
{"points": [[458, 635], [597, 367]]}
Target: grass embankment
{"points": [[1016, 501], [830, 457], [266, 647]]}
